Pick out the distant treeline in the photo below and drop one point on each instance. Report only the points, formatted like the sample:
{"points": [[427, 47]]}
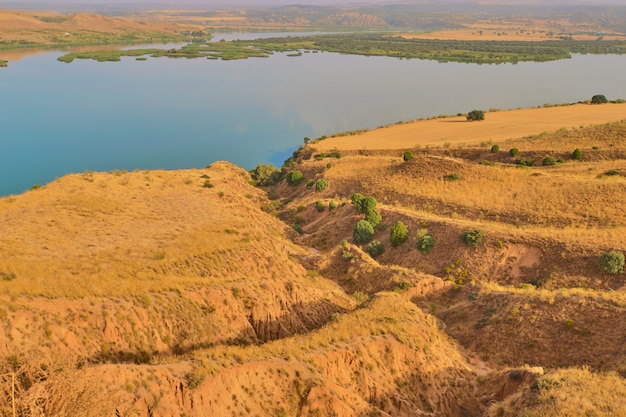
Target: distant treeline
{"points": [[480, 52], [487, 52]]}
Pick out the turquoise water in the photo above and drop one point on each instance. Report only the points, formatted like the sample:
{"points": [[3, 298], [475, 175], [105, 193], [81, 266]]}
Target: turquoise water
{"points": [[58, 118]]}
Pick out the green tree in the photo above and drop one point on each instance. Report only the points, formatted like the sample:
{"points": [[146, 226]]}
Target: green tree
{"points": [[425, 244], [321, 185], [399, 233], [375, 248], [495, 149], [366, 204], [373, 217], [548, 160], [363, 232], [294, 177], [599, 99], [408, 155], [577, 154], [475, 115], [356, 200], [513, 151], [473, 237], [612, 262], [265, 174]]}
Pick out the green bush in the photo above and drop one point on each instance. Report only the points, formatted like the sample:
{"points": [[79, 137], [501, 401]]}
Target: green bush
{"points": [[265, 174], [473, 237], [495, 149], [375, 248], [526, 162], [319, 205], [309, 184], [356, 200], [425, 244], [475, 115], [577, 154], [399, 234], [612, 262], [331, 206], [451, 177], [373, 217], [548, 160], [366, 204], [321, 185], [599, 99], [408, 155], [298, 228], [513, 151], [363, 232], [294, 177]]}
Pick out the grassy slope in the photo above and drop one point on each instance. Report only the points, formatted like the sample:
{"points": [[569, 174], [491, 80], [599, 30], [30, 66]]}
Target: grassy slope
{"points": [[190, 299]]}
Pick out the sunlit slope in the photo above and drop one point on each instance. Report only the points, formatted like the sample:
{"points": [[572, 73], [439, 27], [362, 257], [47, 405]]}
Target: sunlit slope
{"points": [[497, 126]]}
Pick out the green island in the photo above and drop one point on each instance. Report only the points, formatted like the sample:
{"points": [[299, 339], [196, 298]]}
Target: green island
{"points": [[3, 63], [376, 44]]}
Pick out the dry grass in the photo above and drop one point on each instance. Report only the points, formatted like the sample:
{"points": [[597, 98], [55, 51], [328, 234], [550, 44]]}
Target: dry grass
{"points": [[497, 127], [567, 392], [116, 234], [524, 29]]}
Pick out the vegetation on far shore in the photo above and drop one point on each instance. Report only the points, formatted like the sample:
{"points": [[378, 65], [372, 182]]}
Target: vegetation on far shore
{"points": [[380, 44]]}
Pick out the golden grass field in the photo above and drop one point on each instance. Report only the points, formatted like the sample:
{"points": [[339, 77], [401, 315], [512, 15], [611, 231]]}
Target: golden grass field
{"points": [[521, 30], [498, 126]]}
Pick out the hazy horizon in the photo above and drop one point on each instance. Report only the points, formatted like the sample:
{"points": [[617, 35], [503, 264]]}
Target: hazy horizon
{"points": [[214, 4]]}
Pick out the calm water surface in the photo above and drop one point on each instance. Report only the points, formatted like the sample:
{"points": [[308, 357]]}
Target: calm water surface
{"points": [[57, 118]]}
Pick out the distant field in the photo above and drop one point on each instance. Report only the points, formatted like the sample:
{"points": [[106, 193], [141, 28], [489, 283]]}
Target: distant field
{"points": [[497, 126], [522, 30]]}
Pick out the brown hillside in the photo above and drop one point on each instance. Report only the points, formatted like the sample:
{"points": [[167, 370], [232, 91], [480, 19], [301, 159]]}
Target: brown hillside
{"points": [[158, 293]]}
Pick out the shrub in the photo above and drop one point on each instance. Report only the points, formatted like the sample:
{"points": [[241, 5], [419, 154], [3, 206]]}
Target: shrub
{"points": [[373, 217], [513, 151], [399, 233], [526, 162], [366, 204], [265, 174], [321, 185], [548, 160], [612, 262], [356, 200], [331, 206], [319, 205], [599, 99], [294, 177], [298, 228], [473, 237], [425, 244], [451, 177], [207, 184], [408, 155], [495, 149], [309, 184], [475, 115], [577, 154], [612, 172], [375, 248], [363, 232]]}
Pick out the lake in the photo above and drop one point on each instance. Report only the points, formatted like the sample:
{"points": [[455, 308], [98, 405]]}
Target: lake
{"points": [[58, 118]]}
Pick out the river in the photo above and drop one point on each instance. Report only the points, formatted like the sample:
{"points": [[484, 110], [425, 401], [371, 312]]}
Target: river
{"points": [[58, 118]]}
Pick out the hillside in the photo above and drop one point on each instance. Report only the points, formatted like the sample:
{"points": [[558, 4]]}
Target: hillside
{"points": [[194, 293], [28, 29]]}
